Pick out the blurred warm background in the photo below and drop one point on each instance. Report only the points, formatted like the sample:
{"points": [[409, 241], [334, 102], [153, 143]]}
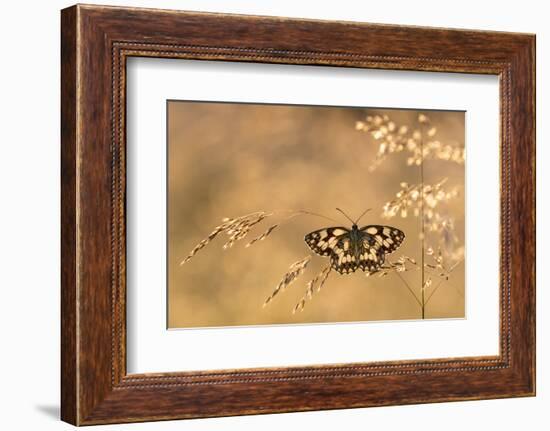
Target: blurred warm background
{"points": [[228, 160]]}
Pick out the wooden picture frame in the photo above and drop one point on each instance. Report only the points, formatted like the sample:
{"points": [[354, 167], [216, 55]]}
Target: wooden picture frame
{"points": [[95, 43]]}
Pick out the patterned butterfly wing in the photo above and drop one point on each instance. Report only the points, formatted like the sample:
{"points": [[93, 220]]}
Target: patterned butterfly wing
{"points": [[371, 253], [388, 238], [323, 241]]}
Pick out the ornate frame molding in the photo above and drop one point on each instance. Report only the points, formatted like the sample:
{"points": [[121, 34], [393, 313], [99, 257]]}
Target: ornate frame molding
{"points": [[96, 41]]}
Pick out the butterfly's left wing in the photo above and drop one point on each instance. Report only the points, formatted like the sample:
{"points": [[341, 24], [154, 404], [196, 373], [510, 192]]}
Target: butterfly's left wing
{"points": [[388, 238], [323, 241]]}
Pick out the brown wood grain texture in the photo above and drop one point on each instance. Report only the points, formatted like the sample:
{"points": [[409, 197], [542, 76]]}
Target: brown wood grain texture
{"points": [[95, 43]]}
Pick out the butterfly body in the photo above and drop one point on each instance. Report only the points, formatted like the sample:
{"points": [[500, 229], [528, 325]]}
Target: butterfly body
{"points": [[362, 248]]}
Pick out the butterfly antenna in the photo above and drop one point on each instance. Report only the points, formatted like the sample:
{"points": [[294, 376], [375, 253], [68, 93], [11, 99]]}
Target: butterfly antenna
{"points": [[348, 217], [364, 212]]}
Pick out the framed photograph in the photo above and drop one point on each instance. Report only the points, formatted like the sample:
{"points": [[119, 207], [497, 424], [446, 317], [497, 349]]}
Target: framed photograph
{"points": [[263, 215]]}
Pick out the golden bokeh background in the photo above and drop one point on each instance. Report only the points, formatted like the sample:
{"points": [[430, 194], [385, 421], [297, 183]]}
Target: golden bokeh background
{"points": [[231, 159]]}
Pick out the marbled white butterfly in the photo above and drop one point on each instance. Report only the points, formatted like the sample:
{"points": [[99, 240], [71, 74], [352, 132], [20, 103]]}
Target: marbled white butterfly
{"points": [[364, 248]]}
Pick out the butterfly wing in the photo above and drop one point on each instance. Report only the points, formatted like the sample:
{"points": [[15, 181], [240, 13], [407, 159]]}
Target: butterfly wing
{"points": [[323, 241], [388, 238]]}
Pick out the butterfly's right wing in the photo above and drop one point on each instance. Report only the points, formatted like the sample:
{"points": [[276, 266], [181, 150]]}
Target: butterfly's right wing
{"points": [[388, 238], [324, 241]]}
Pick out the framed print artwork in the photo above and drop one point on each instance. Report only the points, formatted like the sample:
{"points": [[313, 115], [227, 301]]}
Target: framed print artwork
{"points": [[265, 215]]}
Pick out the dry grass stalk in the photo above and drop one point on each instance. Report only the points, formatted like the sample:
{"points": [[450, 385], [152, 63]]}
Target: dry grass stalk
{"points": [[268, 231], [410, 200], [239, 227], [443, 269], [413, 197], [313, 285], [236, 228], [264, 235], [438, 266], [419, 200], [400, 265], [443, 266], [294, 271], [419, 142], [427, 283]]}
